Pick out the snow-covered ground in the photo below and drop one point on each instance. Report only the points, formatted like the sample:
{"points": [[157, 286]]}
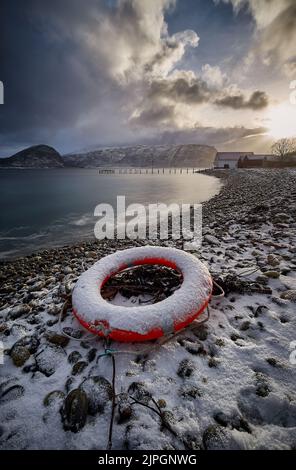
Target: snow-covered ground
{"points": [[230, 384]]}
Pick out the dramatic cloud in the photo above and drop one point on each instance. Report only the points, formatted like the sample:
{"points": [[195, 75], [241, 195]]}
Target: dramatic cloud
{"points": [[133, 40], [263, 11], [214, 77], [109, 72], [214, 135], [185, 88], [77, 61], [279, 37], [276, 27], [155, 115], [163, 97], [258, 100]]}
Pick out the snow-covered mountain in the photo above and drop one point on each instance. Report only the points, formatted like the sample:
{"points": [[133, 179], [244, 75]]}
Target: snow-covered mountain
{"points": [[37, 156], [43, 156], [192, 155]]}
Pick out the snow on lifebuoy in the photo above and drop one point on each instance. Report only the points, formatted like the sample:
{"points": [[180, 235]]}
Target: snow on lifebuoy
{"points": [[147, 322]]}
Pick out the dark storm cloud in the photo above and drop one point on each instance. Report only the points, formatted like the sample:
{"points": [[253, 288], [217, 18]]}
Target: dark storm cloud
{"points": [[160, 103], [207, 135], [155, 115], [258, 100], [81, 73], [66, 60], [181, 89], [48, 81]]}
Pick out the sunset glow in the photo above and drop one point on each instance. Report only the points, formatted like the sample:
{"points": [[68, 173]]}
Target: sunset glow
{"points": [[282, 121]]}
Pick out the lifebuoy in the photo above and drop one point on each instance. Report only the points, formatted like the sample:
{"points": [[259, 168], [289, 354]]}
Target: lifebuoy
{"points": [[142, 323]]}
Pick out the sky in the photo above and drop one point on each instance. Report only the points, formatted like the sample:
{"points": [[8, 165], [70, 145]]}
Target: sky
{"points": [[80, 75]]}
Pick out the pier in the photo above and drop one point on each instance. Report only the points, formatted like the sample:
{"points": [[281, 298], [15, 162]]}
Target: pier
{"points": [[150, 171]]}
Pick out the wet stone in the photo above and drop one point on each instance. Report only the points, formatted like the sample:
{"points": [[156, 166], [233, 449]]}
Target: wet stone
{"points": [[216, 437], [49, 358], [233, 421], [57, 339], [74, 357], [289, 295], [139, 391], [201, 333], [273, 260], [185, 369], [272, 361], [31, 342], [10, 392], [245, 326], [29, 368], [18, 311], [272, 274], [53, 397], [69, 384], [190, 391], [161, 403], [79, 367], [74, 410], [91, 355], [125, 410], [98, 391], [19, 355], [213, 362], [194, 348]]}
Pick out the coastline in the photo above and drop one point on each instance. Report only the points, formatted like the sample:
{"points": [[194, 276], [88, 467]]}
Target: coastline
{"points": [[221, 385], [241, 190], [53, 218]]}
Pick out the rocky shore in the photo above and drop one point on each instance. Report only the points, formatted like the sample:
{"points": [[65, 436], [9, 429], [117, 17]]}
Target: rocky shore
{"points": [[228, 385]]}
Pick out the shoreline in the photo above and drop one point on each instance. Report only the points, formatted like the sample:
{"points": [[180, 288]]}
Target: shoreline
{"points": [[230, 385], [73, 224], [231, 180]]}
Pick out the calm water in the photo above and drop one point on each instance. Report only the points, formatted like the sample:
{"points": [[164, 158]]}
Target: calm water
{"points": [[43, 208]]}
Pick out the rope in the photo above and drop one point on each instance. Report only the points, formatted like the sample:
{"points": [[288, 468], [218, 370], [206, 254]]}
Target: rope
{"points": [[111, 353], [166, 339], [248, 273], [218, 296], [108, 352], [109, 446], [156, 410]]}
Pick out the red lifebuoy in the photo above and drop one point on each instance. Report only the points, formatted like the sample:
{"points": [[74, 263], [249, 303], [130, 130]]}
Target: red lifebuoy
{"points": [[142, 323]]}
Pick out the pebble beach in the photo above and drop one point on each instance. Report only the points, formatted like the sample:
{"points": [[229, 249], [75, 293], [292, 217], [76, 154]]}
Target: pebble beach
{"points": [[228, 384]]}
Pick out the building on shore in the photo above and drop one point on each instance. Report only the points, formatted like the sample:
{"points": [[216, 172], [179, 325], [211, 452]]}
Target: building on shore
{"points": [[229, 160], [258, 161], [233, 160], [267, 161]]}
